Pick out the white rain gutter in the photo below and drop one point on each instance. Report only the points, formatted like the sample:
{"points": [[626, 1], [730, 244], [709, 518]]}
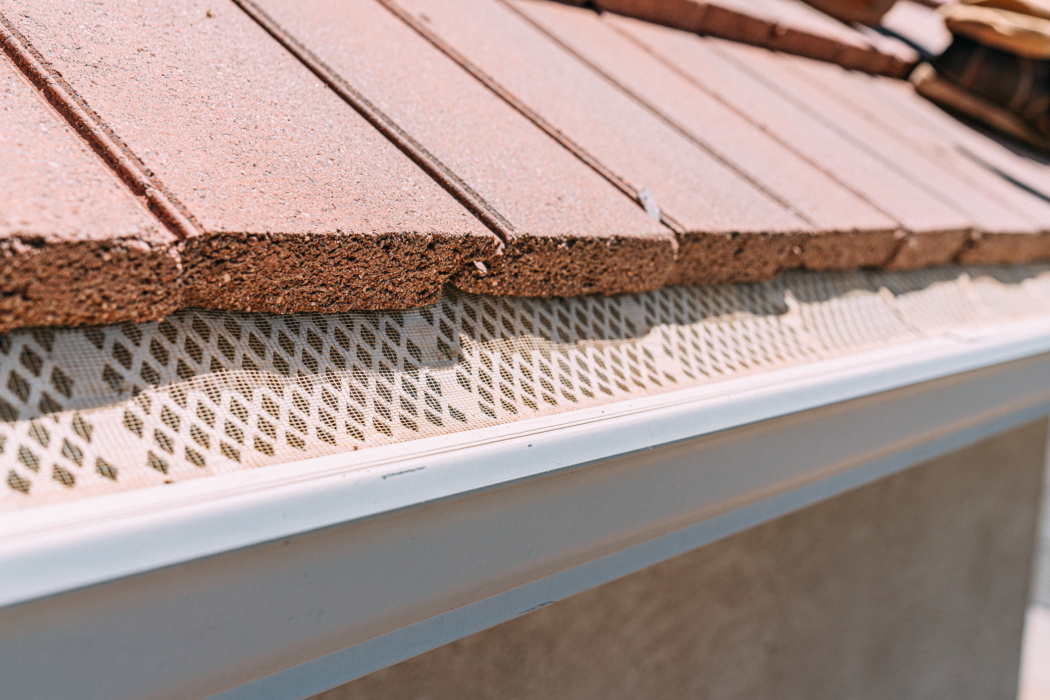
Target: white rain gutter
{"points": [[289, 580]]}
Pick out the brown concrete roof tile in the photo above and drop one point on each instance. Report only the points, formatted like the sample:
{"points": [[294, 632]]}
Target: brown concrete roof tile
{"points": [[335, 157], [990, 203], [1015, 162], [1025, 211], [291, 200], [570, 231], [783, 25], [75, 246], [850, 233], [1013, 165], [728, 229], [914, 204]]}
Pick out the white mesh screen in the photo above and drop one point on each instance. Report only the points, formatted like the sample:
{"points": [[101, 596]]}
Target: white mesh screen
{"points": [[93, 410]]}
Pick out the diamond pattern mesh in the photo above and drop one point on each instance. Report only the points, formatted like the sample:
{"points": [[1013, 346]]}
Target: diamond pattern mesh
{"points": [[94, 410]]}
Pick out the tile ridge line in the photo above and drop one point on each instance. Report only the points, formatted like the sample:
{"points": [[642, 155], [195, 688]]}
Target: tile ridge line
{"points": [[639, 196], [94, 131], [661, 115], [394, 133]]}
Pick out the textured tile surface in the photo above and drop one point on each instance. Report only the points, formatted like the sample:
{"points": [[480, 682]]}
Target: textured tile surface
{"points": [[1014, 165], [1012, 218], [940, 228], [298, 202], [843, 102], [728, 229], [572, 232], [848, 232], [75, 245], [361, 156]]}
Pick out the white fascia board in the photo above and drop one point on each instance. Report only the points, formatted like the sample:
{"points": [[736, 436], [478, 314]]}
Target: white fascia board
{"points": [[408, 547]]}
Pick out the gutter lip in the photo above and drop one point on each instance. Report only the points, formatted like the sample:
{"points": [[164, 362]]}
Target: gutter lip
{"points": [[63, 547]]}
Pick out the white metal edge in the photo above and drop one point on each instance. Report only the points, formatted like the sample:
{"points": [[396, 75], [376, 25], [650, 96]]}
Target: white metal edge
{"points": [[349, 664], [59, 548]]}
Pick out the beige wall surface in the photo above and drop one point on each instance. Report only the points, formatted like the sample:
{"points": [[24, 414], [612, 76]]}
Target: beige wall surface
{"points": [[912, 587]]}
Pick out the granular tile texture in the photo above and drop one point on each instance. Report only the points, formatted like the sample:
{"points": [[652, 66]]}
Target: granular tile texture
{"points": [[849, 233], [991, 205], [1008, 236], [75, 245], [727, 228], [937, 228], [254, 155], [1012, 164], [782, 25], [562, 216], [294, 202]]}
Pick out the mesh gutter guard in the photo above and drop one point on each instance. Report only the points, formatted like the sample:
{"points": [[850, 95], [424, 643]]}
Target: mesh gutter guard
{"points": [[85, 412]]}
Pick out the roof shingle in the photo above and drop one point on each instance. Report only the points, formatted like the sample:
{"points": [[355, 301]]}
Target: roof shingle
{"points": [[324, 156], [990, 204], [938, 228], [857, 94]]}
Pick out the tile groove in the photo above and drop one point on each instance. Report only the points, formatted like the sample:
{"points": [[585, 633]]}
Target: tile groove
{"points": [[635, 193], [661, 115], [95, 132], [418, 153]]}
